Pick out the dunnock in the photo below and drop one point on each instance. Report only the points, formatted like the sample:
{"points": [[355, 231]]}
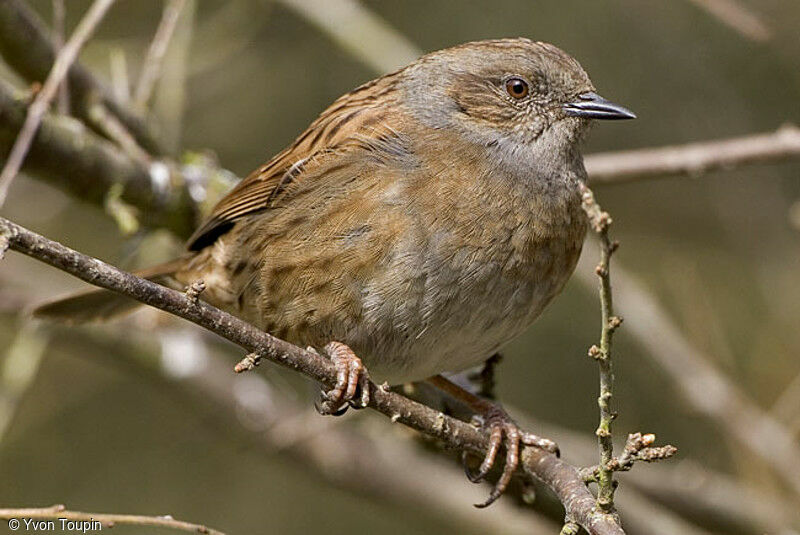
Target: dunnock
{"points": [[424, 220]]}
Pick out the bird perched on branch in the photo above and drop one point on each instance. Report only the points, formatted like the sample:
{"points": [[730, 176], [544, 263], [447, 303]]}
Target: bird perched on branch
{"points": [[421, 222]]}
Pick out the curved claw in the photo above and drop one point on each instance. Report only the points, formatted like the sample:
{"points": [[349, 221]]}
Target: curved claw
{"points": [[326, 408], [474, 477], [341, 411], [496, 493]]}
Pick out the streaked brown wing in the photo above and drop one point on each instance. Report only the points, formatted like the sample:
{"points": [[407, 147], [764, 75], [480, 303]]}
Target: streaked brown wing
{"points": [[353, 119]]}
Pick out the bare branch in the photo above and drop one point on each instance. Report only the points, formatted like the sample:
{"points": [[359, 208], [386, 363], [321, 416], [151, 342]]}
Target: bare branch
{"points": [[562, 478], [66, 56], [151, 69], [604, 475], [694, 159], [97, 521], [737, 17], [638, 446], [26, 45]]}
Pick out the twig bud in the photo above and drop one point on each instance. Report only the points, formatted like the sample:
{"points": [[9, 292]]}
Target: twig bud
{"points": [[194, 290], [247, 363]]}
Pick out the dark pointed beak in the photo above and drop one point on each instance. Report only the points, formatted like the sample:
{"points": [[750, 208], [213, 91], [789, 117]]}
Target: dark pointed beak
{"points": [[593, 106]]}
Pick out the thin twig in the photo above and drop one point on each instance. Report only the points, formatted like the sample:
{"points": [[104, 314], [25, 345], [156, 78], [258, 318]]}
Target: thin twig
{"points": [[59, 14], [562, 478], [37, 109], [737, 17], [96, 521], [151, 68], [694, 159], [600, 222], [640, 447]]}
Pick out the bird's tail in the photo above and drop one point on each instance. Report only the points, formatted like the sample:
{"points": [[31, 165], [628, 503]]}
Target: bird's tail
{"points": [[99, 304]]}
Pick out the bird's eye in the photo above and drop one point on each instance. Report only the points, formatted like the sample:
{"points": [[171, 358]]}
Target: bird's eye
{"points": [[517, 87]]}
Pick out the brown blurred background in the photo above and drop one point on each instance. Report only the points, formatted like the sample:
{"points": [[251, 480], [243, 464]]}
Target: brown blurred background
{"points": [[81, 423]]}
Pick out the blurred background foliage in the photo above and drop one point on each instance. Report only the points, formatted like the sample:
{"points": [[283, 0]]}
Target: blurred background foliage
{"points": [[721, 253]]}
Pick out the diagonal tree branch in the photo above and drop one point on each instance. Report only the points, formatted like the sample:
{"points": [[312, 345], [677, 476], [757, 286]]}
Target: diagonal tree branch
{"points": [[25, 45], [353, 453], [562, 478]]}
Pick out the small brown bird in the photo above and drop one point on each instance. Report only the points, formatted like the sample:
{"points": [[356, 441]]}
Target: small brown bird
{"points": [[424, 220]]}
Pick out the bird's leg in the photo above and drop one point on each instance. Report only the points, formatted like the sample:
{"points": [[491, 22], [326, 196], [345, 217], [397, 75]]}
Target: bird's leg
{"points": [[351, 375], [498, 424], [484, 380]]}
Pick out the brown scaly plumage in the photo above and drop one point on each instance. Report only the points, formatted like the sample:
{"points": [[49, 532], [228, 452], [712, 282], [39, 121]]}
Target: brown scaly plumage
{"points": [[424, 219]]}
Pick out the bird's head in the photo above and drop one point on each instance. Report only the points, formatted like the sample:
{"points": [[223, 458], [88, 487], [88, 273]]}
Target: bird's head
{"points": [[506, 90]]}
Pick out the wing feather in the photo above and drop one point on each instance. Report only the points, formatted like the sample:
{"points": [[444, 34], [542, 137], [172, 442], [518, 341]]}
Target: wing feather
{"points": [[351, 119]]}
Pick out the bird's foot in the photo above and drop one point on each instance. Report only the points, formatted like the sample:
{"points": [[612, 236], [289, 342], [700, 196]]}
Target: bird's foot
{"points": [[499, 425], [352, 382]]}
